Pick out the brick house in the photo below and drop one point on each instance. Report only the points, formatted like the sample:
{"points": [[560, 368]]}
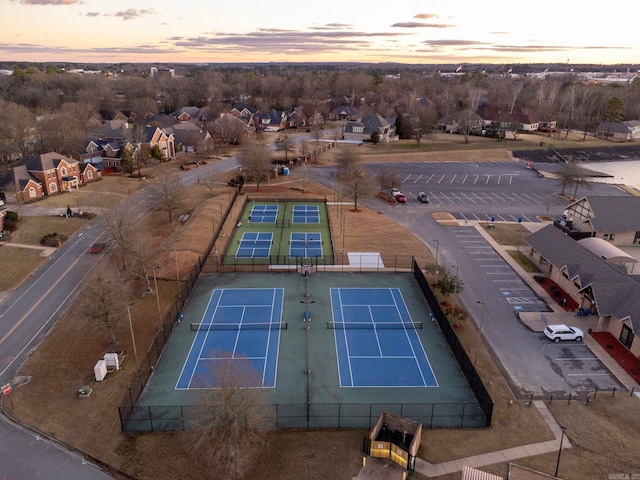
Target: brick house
{"points": [[35, 176]]}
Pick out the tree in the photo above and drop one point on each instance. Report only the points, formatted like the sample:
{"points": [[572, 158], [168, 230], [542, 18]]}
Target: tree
{"points": [[284, 143], [357, 185], [104, 299], [614, 112], [387, 177], [347, 159], [142, 254], [229, 432], [167, 195], [255, 160], [449, 284], [568, 175], [127, 163], [118, 222], [228, 129]]}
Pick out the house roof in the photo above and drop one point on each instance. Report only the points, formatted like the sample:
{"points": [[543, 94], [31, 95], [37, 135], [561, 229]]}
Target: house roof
{"points": [[614, 214], [526, 116], [44, 161], [371, 123], [193, 112], [346, 110], [606, 250], [615, 292], [618, 127]]}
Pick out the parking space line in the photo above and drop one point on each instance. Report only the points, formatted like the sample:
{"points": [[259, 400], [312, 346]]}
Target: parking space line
{"points": [[470, 199], [453, 178], [432, 175], [417, 179], [441, 178]]}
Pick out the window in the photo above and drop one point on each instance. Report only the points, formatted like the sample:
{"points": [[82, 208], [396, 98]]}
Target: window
{"points": [[32, 192], [608, 236], [358, 129], [89, 174], [53, 187], [63, 171]]}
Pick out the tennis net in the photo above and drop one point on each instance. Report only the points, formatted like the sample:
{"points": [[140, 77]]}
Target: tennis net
{"points": [[239, 326], [374, 325]]}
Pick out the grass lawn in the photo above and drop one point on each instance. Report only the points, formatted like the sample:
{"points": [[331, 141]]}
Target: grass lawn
{"points": [[17, 265], [523, 261], [31, 229], [507, 233]]}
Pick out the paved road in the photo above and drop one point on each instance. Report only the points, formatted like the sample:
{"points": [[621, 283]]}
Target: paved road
{"points": [[27, 315], [535, 367]]}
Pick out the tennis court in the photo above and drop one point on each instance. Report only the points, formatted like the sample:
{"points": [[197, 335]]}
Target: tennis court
{"points": [[305, 214], [305, 244], [263, 214], [237, 325], [255, 244], [377, 344]]}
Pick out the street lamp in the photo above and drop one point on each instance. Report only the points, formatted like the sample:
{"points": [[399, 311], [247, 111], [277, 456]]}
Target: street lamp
{"points": [[175, 256], [455, 285], [213, 222], [437, 251], [560, 449], [481, 302], [155, 282], [78, 204], [133, 338]]}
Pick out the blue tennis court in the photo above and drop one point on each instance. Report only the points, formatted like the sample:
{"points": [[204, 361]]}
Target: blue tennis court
{"points": [[239, 325], [376, 340], [255, 244], [305, 244], [305, 214], [263, 214]]}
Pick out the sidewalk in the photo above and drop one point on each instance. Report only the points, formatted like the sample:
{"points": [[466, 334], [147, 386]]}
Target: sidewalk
{"points": [[507, 455]]}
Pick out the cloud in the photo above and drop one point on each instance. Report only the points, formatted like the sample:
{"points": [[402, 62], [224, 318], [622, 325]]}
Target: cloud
{"points": [[426, 16], [452, 43], [49, 2], [132, 13], [421, 25], [290, 42]]}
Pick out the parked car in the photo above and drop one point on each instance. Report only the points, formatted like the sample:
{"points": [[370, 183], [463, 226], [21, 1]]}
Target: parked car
{"points": [[400, 198], [394, 192], [96, 248], [423, 197], [563, 332]]}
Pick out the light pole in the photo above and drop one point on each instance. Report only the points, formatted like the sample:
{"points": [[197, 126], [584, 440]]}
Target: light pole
{"points": [[481, 302], [175, 256], [155, 282], [343, 231], [213, 222], [437, 251], [133, 338], [78, 204], [560, 449], [455, 285]]}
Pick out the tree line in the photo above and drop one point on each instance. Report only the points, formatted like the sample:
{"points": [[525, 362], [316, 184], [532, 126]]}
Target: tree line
{"points": [[44, 110]]}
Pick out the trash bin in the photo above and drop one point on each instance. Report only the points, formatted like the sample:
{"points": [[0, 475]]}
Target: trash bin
{"points": [[285, 171]]}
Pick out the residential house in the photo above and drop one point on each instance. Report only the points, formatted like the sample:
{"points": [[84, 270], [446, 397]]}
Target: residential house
{"points": [[105, 156], [187, 114], [362, 130], [88, 172], [528, 118], [594, 283], [464, 121], [189, 137], [154, 136], [230, 129], [345, 112], [623, 131], [35, 176], [242, 110], [271, 121], [615, 219], [149, 136]]}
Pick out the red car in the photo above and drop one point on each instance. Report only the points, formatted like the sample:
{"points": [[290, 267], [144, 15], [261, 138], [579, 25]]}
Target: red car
{"points": [[400, 198], [96, 248]]}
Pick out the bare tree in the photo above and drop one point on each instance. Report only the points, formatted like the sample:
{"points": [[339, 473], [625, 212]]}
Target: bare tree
{"points": [[357, 185], [16, 123], [118, 222], [255, 160], [284, 143], [104, 299], [347, 158], [228, 128], [210, 181], [167, 195], [229, 433], [142, 257], [387, 177]]}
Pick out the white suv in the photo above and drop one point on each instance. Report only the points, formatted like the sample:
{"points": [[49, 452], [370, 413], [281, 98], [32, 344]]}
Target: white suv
{"points": [[562, 332]]}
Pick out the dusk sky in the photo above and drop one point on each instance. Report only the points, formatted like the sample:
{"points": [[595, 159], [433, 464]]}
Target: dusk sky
{"points": [[406, 31]]}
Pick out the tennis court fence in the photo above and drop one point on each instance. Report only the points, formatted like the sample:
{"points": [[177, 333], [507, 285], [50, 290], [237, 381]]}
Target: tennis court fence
{"points": [[466, 365], [144, 419]]}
